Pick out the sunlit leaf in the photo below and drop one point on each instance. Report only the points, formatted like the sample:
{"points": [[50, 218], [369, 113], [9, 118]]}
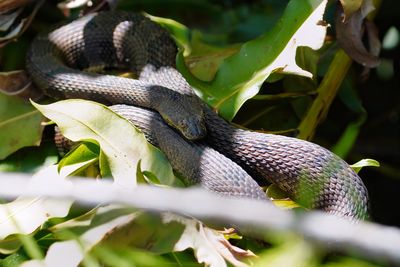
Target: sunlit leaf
{"points": [[240, 76], [77, 249], [364, 163], [25, 215], [69, 4], [123, 145], [210, 246], [79, 159]]}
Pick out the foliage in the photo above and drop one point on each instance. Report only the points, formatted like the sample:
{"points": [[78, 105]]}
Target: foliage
{"points": [[257, 64], [15, 116]]}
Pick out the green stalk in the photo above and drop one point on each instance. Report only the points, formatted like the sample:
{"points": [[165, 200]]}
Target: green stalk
{"points": [[326, 93]]}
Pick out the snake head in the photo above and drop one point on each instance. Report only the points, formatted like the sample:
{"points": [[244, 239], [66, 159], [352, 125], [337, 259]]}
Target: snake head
{"points": [[185, 113]]}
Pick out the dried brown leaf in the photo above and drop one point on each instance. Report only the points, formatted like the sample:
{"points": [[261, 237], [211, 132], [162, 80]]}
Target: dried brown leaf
{"points": [[349, 35], [374, 45], [8, 5], [6, 20], [209, 245], [22, 25], [19, 84]]}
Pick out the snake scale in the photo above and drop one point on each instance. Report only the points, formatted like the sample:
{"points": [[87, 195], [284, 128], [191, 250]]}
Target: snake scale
{"points": [[227, 158]]}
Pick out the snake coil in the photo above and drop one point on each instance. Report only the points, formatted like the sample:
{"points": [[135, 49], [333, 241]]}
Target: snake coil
{"points": [[309, 173]]}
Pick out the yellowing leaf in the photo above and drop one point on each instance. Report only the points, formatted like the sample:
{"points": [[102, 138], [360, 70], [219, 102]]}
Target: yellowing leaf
{"points": [[286, 203], [280, 198]]}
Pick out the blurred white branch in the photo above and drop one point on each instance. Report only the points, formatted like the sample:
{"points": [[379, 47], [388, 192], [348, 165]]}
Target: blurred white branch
{"points": [[371, 240]]}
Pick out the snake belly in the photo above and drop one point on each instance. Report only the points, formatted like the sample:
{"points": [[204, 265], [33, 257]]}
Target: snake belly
{"points": [[310, 174]]}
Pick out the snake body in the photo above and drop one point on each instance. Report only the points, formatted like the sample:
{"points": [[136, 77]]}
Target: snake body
{"points": [[115, 40], [309, 173]]}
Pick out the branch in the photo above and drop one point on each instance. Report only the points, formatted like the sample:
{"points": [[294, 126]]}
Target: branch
{"points": [[370, 240]]}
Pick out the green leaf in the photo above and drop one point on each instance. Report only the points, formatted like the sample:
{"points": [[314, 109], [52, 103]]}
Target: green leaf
{"points": [[364, 163], [117, 256], [286, 203], [349, 136], [240, 76], [293, 252], [148, 232], [122, 144], [79, 159], [114, 226], [201, 58], [30, 159], [204, 59], [179, 31], [350, 98], [106, 220], [15, 259], [146, 177], [280, 198], [9, 245], [128, 228], [349, 262], [16, 116]]}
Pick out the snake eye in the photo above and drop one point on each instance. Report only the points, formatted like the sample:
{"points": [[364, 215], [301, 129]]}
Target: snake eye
{"points": [[193, 129], [183, 125]]}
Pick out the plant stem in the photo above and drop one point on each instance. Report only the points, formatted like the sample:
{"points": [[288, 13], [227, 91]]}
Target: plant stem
{"points": [[326, 93]]}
